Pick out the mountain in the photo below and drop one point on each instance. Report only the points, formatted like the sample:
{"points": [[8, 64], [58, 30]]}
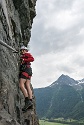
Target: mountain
{"points": [[64, 79], [61, 98]]}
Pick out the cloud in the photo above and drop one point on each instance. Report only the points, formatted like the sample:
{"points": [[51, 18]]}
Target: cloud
{"points": [[58, 29], [57, 40]]}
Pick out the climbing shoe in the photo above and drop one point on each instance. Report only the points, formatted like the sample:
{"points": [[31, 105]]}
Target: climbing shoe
{"points": [[31, 107], [28, 104]]}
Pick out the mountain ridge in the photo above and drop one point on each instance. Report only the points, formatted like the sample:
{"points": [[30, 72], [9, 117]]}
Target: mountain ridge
{"points": [[65, 79]]}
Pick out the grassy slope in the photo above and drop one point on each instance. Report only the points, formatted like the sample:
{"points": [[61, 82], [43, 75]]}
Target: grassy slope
{"points": [[42, 122]]}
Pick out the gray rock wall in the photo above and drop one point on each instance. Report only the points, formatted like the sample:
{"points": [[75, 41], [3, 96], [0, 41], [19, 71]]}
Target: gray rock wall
{"points": [[16, 18]]}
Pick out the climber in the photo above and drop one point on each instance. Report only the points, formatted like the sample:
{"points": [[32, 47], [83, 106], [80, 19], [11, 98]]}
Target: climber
{"points": [[25, 77]]}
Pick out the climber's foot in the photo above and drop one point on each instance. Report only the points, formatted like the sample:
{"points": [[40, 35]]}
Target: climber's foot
{"points": [[27, 106]]}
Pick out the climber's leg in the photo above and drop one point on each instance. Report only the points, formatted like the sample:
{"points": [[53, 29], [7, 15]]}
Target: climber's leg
{"points": [[29, 88], [28, 101], [22, 87]]}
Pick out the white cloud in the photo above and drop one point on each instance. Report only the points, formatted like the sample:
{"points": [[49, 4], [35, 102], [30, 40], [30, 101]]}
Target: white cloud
{"points": [[61, 20], [78, 7]]}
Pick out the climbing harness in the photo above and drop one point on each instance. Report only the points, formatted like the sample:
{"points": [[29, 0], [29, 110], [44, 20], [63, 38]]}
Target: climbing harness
{"points": [[9, 47]]}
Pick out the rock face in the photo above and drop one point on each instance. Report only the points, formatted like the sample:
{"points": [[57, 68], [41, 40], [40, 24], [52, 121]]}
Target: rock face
{"points": [[16, 18]]}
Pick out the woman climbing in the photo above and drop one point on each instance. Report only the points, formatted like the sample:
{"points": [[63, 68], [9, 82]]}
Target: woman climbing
{"points": [[25, 76]]}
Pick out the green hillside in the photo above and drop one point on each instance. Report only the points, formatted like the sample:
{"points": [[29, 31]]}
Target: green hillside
{"points": [[64, 100], [43, 98], [60, 100], [78, 111]]}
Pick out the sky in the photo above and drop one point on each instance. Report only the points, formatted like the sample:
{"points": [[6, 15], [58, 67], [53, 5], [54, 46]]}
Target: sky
{"points": [[57, 41]]}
